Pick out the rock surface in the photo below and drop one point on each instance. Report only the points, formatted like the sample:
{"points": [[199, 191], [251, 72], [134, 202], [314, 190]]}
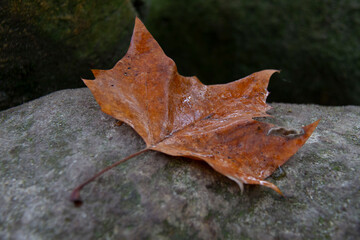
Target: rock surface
{"points": [[50, 145]]}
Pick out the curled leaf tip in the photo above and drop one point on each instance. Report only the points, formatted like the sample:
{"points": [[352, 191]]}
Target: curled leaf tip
{"points": [[272, 186], [239, 183]]}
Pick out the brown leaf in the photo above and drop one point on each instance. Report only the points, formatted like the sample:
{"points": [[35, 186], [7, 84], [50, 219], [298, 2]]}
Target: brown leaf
{"points": [[180, 116]]}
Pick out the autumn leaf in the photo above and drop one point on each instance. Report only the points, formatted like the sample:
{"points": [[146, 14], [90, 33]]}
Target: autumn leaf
{"points": [[180, 116]]}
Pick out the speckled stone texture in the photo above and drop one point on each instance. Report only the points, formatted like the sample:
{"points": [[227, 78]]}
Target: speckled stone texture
{"points": [[51, 144]]}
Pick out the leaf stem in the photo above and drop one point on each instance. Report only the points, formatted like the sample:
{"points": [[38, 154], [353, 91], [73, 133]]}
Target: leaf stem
{"points": [[75, 195]]}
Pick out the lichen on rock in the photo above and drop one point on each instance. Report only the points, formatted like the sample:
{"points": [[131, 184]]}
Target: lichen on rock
{"points": [[48, 145]]}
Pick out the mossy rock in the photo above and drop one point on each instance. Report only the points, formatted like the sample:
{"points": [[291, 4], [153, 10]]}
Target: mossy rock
{"points": [[46, 45], [50, 145]]}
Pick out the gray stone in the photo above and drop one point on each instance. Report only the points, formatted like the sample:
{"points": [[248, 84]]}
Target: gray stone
{"points": [[50, 145]]}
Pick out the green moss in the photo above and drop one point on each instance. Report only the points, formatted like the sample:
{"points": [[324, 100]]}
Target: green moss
{"points": [[129, 198], [351, 138], [338, 166], [14, 152], [46, 45], [278, 174], [22, 128], [175, 232], [172, 170], [105, 230], [54, 161], [323, 224]]}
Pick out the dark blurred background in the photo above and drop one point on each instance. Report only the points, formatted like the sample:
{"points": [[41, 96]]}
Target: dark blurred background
{"points": [[47, 45]]}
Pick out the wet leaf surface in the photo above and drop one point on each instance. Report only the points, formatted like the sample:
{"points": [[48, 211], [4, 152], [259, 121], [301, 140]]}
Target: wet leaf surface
{"points": [[180, 116]]}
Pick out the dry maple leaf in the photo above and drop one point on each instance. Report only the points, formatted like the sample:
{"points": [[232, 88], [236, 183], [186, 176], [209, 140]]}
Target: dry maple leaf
{"points": [[180, 116]]}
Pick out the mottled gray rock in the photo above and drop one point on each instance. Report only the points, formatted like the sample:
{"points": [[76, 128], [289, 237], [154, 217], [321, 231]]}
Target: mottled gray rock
{"points": [[50, 145]]}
